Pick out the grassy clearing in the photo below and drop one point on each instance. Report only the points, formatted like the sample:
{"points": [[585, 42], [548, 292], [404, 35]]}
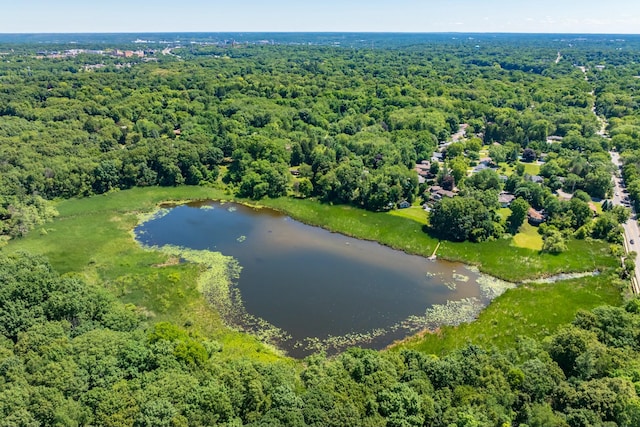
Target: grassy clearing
{"points": [[504, 213], [415, 213], [528, 238], [505, 169], [501, 259], [92, 237], [532, 310], [531, 168]]}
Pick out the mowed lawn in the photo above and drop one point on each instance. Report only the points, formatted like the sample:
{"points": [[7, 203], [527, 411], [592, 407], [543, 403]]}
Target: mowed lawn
{"points": [[531, 168], [528, 237], [415, 213]]}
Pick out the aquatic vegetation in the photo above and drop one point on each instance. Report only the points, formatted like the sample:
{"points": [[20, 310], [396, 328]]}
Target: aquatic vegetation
{"points": [[333, 344], [217, 283], [562, 276], [241, 239], [460, 277], [491, 287], [452, 313], [153, 215]]}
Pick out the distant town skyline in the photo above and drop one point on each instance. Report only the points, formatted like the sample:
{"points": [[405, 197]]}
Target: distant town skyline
{"points": [[542, 16]]}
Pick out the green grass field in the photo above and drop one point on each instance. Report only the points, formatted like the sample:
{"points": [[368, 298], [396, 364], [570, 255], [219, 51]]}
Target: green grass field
{"points": [[528, 237], [531, 168], [92, 237], [504, 213], [415, 213], [531, 310]]}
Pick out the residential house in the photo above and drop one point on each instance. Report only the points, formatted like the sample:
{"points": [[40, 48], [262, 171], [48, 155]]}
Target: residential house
{"points": [[553, 139], [422, 169], [437, 193], [505, 199], [535, 217]]}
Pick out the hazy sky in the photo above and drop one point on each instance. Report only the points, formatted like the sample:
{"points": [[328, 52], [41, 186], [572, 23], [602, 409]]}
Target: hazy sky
{"points": [[534, 16]]}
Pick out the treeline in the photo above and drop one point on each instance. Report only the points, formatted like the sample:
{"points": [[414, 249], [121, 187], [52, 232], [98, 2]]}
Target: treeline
{"points": [[71, 355], [351, 123], [618, 100]]}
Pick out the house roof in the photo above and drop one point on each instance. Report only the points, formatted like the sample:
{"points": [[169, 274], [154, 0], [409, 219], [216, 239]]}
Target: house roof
{"points": [[534, 214], [505, 197], [422, 168], [436, 189]]}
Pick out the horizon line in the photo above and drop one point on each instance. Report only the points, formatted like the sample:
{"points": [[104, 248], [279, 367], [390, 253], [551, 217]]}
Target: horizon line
{"points": [[313, 32]]}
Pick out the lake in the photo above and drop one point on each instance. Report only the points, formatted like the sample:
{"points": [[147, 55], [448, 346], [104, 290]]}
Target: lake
{"points": [[322, 289]]}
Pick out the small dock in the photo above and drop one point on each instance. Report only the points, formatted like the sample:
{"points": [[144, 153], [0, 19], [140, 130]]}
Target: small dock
{"points": [[433, 255]]}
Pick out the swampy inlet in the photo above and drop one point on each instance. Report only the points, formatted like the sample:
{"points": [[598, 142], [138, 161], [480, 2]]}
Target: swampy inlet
{"points": [[307, 289]]}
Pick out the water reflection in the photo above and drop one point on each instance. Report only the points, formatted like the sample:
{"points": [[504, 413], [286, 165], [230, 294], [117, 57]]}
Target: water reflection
{"points": [[315, 285]]}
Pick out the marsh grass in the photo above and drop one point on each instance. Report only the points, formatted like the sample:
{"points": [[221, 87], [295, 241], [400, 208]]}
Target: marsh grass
{"points": [[498, 258], [93, 237], [535, 310]]}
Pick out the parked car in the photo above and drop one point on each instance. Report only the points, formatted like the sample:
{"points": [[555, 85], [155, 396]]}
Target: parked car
{"points": [[631, 241]]}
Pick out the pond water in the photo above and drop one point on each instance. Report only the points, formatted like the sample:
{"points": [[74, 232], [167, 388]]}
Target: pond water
{"points": [[324, 290]]}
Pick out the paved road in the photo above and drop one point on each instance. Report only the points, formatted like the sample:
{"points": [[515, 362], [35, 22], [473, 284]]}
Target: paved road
{"points": [[631, 230]]}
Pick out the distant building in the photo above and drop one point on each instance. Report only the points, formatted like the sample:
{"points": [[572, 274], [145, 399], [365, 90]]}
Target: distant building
{"points": [[484, 164], [437, 193], [553, 139], [505, 199], [404, 204], [423, 168], [535, 217]]}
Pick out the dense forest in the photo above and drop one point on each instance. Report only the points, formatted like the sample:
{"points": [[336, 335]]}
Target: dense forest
{"points": [[341, 121], [72, 355], [352, 122]]}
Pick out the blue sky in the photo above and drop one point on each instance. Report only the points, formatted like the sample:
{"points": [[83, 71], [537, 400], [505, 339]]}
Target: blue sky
{"points": [[535, 16]]}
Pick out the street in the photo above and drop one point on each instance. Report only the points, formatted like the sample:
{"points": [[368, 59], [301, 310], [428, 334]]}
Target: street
{"points": [[631, 231]]}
